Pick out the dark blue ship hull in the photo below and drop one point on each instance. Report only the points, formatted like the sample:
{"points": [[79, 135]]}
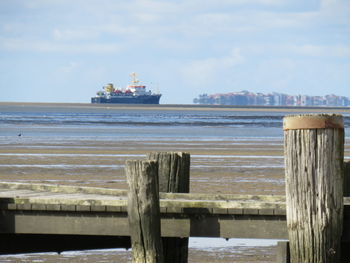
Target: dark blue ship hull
{"points": [[141, 99]]}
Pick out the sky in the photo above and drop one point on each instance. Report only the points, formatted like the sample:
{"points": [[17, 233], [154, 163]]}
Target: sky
{"points": [[65, 51]]}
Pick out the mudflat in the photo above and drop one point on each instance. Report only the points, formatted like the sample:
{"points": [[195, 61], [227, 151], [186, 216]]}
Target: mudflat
{"points": [[219, 164], [253, 167]]}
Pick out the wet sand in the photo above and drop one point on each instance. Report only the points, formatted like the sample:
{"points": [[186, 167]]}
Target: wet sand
{"points": [[253, 167], [83, 106], [232, 167], [238, 255]]}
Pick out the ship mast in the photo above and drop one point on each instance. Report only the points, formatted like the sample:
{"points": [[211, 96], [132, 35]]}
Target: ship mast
{"points": [[134, 80]]}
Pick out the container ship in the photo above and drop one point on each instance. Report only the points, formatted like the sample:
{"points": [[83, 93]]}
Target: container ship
{"points": [[135, 93]]}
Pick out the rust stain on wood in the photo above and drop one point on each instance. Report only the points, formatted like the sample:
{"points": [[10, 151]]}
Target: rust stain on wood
{"points": [[313, 121]]}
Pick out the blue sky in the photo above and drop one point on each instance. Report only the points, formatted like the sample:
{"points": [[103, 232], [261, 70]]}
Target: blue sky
{"points": [[65, 51]]}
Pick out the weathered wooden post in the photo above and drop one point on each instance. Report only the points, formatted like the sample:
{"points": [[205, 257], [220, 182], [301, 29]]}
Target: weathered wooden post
{"points": [[314, 149], [174, 177], [144, 212]]}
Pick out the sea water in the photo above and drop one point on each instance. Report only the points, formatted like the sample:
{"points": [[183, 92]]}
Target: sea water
{"points": [[72, 122]]}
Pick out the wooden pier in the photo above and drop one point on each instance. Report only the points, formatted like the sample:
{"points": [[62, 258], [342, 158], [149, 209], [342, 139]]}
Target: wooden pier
{"points": [[68, 210], [43, 211]]}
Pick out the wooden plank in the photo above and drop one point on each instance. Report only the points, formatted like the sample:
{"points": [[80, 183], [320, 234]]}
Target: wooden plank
{"points": [[53, 207], [68, 208], [198, 210], [250, 211], [62, 188], [12, 206], [121, 194], [65, 223], [220, 211], [164, 196], [174, 225], [39, 207], [235, 211], [279, 211], [111, 208], [228, 197], [83, 208], [249, 226], [266, 211], [82, 200], [24, 206], [220, 204], [98, 208], [177, 210]]}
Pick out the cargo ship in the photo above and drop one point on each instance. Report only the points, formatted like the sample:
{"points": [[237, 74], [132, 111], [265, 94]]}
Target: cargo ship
{"points": [[135, 93]]}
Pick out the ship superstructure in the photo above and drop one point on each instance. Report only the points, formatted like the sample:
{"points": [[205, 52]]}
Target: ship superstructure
{"points": [[135, 93]]}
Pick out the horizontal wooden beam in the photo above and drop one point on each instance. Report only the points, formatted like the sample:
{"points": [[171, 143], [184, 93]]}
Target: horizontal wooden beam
{"points": [[172, 224]]}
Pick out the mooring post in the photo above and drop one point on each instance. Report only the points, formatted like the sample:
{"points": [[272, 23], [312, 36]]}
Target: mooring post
{"points": [[174, 177], [314, 150], [144, 211]]}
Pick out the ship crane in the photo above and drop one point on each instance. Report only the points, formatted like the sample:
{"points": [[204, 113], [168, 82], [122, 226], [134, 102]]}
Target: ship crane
{"points": [[134, 79]]}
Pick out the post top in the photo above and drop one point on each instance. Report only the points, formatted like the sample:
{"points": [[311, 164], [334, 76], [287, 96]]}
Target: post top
{"points": [[313, 121]]}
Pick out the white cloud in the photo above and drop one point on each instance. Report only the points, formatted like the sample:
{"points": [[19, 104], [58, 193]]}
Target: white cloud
{"points": [[204, 71], [328, 3], [71, 67], [30, 45], [309, 50], [297, 51], [341, 51], [276, 74], [74, 34], [151, 20]]}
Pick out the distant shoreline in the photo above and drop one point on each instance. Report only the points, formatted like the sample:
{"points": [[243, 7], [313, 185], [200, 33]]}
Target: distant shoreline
{"points": [[7, 105]]}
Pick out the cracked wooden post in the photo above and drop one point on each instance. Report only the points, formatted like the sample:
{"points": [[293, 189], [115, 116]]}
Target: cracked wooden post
{"points": [[144, 212], [174, 177], [314, 150]]}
